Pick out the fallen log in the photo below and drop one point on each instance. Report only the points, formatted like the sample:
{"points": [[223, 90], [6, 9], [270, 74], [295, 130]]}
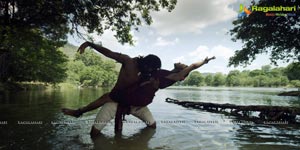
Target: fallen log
{"points": [[290, 93], [256, 112]]}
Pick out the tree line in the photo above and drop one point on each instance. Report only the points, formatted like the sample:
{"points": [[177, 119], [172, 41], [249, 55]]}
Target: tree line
{"points": [[264, 77], [89, 69]]}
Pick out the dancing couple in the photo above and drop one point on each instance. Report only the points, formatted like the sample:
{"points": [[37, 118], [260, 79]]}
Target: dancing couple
{"points": [[138, 81]]}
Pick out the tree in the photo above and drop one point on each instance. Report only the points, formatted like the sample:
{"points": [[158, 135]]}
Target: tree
{"points": [[255, 72], [245, 78], [194, 79], [30, 31], [293, 71], [266, 69], [233, 78], [34, 26], [277, 72], [88, 69], [119, 16], [259, 33], [295, 83], [208, 80], [219, 79]]}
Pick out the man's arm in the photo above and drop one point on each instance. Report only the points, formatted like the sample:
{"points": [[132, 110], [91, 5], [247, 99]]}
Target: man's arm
{"points": [[182, 74], [106, 52]]}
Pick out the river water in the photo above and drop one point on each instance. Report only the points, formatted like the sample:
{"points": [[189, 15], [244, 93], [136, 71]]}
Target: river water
{"points": [[32, 120]]}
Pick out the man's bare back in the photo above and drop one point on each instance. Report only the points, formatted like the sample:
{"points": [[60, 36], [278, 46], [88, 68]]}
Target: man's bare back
{"points": [[128, 74]]}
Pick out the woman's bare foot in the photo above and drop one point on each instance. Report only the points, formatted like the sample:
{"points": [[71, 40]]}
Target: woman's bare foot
{"points": [[71, 112]]}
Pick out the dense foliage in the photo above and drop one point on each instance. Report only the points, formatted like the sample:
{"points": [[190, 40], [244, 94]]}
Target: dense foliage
{"points": [[89, 69], [275, 35], [31, 31], [264, 77]]}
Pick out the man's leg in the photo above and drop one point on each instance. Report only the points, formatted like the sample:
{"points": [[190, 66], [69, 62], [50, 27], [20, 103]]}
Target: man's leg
{"points": [[93, 105], [144, 114], [105, 114]]}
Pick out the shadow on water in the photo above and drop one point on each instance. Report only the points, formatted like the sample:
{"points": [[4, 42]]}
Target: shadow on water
{"points": [[262, 136], [138, 141]]}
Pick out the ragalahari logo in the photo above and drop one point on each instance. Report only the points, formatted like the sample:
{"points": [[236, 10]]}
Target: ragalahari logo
{"points": [[244, 11], [274, 10]]}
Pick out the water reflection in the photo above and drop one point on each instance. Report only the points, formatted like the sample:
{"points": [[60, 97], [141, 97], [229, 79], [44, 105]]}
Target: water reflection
{"points": [[259, 136], [138, 141], [239, 96], [45, 106]]}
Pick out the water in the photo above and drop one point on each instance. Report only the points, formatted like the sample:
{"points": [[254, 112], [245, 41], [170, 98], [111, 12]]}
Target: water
{"points": [[177, 127]]}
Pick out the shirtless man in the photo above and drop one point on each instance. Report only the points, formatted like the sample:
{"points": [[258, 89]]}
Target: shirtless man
{"points": [[131, 71]]}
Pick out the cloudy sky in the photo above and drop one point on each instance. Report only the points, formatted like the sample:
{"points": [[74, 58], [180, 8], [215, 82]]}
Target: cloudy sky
{"points": [[193, 30]]}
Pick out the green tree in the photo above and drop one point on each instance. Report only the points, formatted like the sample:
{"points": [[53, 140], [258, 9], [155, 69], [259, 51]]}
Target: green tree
{"points": [[261, 34], [219, 79], [255, 73], [88, 69], [279, 81], [91, 76], [295, 83], [45, 65], [277, 72], [36, 25], [89, 58], [30, 31], [208, 80], [246, 79], [74, 69], [266, 69], [233, 78], [261, 81], [293, 71], [194, 79]]}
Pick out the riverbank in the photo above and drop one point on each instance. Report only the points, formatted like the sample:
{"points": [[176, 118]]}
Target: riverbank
{"points": [[26, 86], [23, 86], [9, 86]]}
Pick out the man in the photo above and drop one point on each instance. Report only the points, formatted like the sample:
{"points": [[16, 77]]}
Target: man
{"points": [[131, 71]]}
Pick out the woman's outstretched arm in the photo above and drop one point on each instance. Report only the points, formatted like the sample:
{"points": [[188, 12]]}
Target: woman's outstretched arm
{"points": [[183, 73]]}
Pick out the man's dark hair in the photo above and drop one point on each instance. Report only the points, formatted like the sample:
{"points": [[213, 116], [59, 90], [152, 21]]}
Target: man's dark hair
{"points": [[149, 61], [152, 61]]}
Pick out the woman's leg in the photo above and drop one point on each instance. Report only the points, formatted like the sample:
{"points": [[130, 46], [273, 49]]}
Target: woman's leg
{"points": [[91, 106]]}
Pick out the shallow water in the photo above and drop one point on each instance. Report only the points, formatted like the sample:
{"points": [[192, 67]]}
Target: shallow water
{"points": [[32, 120]]}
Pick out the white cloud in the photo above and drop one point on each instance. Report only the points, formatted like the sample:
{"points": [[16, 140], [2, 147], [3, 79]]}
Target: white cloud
{"points": [[192, 16], [222, 51], [163, 42], [179, 59], [219, 51], [150, 33], [201, 51], [108, 40]]}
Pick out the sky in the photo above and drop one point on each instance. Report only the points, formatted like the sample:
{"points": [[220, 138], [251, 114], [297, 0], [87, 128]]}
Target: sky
{"points": [[195, 29]]}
